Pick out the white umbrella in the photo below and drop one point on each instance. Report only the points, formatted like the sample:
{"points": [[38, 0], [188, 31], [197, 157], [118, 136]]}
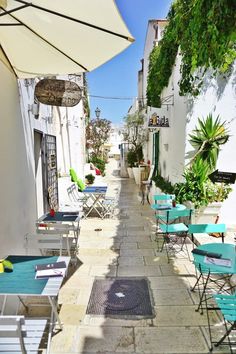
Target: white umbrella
{"points": [[50, 37]]}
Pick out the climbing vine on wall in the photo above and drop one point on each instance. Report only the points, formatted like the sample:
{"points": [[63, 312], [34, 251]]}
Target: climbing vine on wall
{"points": [[205, 33]]}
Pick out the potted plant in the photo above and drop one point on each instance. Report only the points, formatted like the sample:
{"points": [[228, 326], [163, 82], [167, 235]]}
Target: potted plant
{"points": [[90, 178], [134, 134], [131, 160], [199, 193]]}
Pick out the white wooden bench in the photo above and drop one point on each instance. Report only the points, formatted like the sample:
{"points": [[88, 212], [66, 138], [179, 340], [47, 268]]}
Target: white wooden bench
{"points": [[20, 335]]}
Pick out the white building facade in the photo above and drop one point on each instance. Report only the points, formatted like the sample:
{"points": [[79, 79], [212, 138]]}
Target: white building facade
{"points": [[168, 147], [38, 142]]}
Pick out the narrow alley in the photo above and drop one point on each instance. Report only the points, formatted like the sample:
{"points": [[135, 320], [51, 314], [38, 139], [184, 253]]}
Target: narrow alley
{"points": [[125, 247]]}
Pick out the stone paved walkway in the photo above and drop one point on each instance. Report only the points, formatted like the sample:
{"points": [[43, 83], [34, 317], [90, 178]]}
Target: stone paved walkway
{"points": [[125, 247]]}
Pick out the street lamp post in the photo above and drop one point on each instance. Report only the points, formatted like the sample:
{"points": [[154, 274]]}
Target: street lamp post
{"points": [[97, 112]]}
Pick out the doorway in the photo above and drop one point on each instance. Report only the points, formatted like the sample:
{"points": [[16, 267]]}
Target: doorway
{"points": [[39, 172], [155, 153]]}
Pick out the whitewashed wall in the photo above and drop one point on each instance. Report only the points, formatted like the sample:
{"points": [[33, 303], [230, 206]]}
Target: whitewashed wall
{"points": [[18, 203], [172, 139], [219, 98], [17, 188]]}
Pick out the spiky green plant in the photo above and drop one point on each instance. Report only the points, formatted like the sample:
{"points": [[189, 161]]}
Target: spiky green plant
{"points": [[207, 140]]}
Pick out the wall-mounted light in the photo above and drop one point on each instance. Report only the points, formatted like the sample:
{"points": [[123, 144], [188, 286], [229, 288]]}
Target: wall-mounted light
{"points": [[34, 109]]}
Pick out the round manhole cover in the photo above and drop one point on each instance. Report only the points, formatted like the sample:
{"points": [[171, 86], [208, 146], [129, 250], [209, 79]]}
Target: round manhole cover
{"points": [[122, 296]]}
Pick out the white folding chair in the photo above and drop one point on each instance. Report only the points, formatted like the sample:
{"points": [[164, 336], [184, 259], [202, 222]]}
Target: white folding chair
{"points": [[76, 197], [109, 204], [62, 229], [20, 335]]}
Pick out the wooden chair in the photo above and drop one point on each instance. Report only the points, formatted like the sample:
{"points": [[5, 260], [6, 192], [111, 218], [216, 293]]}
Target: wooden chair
{"points": [[20, 335]]}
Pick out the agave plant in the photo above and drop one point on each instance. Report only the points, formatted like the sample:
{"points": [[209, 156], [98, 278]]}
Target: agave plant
{"points": [[207, 140]]}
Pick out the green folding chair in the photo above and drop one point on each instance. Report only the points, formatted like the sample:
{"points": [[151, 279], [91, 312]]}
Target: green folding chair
{"points": [[175, 234], [204, 278], [226, 306], [207, 228]]}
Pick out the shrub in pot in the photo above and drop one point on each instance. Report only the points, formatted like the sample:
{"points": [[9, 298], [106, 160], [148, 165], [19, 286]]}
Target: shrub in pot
{"points": [[90, 178], [199, 191]]}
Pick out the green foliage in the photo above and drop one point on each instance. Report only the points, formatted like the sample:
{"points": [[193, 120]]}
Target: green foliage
{"points": [[90, 178], [164, 185], [197, 187], [132, 158], [207, 140], [99, 163], [133, 131], [204, 31], [97, 133], [85, 97], [134, 134]]}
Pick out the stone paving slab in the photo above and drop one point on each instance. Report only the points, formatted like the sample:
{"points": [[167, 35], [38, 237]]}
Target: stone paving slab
{"points": [[172, 297], [142, 238], [168, 282], [72, 314], [64, 341], [138, 252], [167, 340], [103, 339], [168, 269], [130, 261], [95, 320], [179, 316], [107, 270], [147, 244], [147, 271]]}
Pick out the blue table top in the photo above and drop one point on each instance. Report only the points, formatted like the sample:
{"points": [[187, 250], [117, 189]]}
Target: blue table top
{"points": [[167, 206], [225, 249], [95, 189], [61, 216], [21, 280]]}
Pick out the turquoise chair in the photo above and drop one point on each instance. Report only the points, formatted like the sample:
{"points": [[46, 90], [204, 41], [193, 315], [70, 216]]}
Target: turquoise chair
{"points": [[207, 228], [204, 271], [161, 201], [175, 234], [226, 304]]}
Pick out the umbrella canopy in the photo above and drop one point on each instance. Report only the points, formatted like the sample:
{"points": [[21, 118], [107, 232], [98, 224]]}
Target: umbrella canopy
{"points": [[51, 37]]}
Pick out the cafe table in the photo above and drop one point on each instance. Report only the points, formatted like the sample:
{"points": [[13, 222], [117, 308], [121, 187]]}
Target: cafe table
{"points": [[208, 265], [167, 206], [96, 195], [71, 218], [21, 282]]}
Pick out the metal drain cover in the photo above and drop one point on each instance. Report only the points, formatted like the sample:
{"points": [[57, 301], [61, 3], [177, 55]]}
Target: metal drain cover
{"points": [[120, 296]]}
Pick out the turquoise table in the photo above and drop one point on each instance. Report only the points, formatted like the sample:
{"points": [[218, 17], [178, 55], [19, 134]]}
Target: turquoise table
{"points": [[21, 281], [165, 207], [227, 251], [96, 194], [70, 218]]}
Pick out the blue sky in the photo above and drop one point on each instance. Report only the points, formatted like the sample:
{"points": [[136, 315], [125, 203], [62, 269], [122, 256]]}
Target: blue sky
{"points": [[118, 77]]}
